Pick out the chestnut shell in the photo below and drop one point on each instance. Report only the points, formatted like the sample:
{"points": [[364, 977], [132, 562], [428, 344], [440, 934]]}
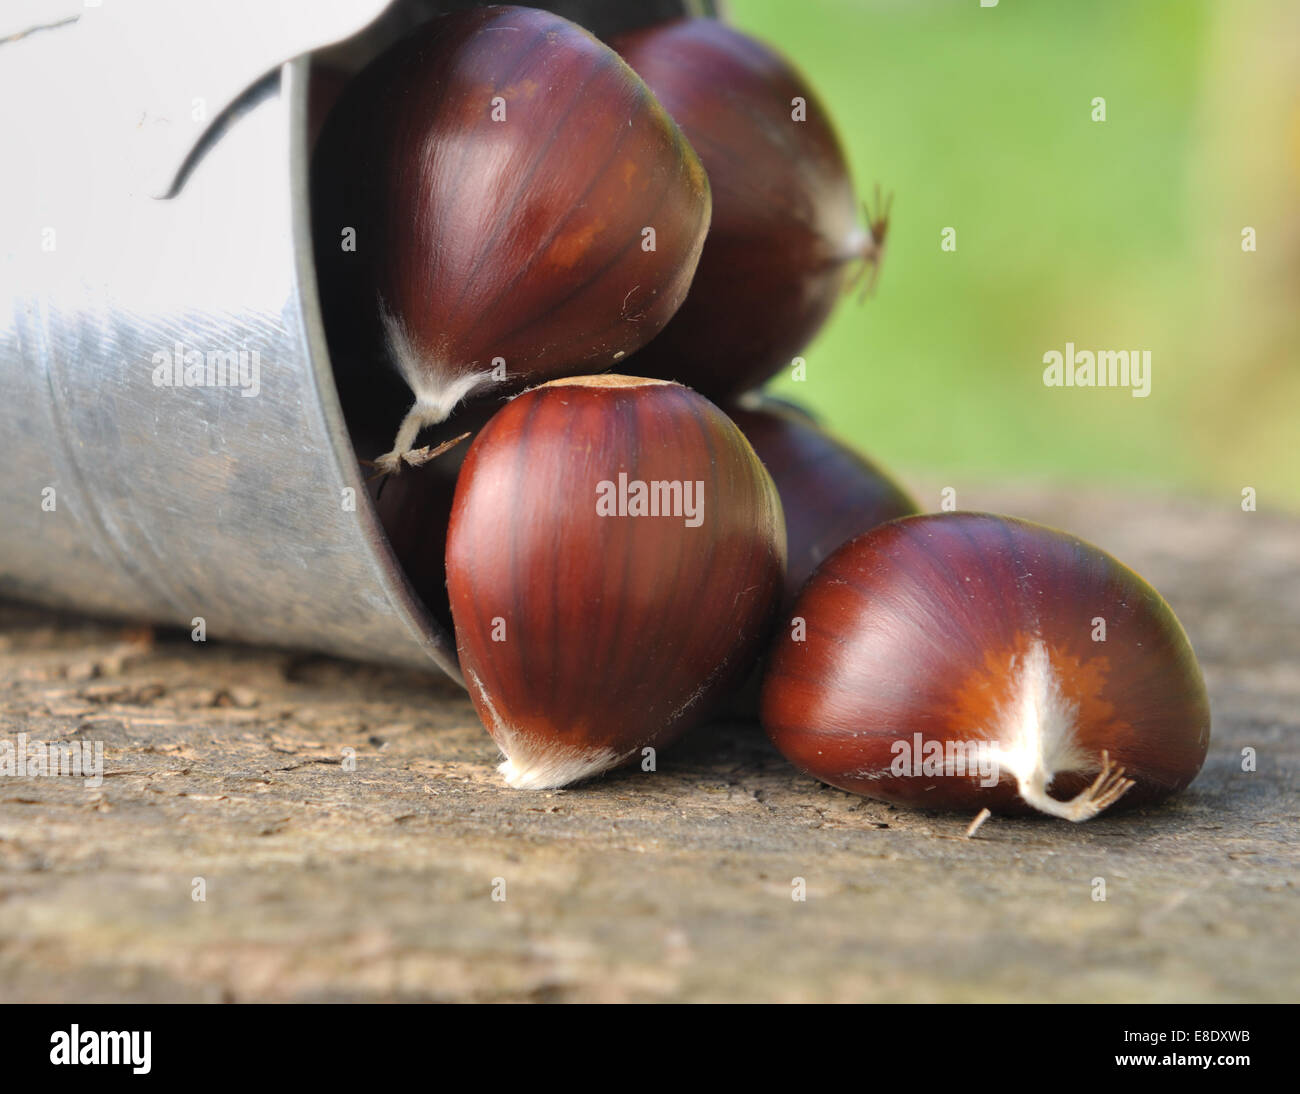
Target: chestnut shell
{"points": [[785, 236], [414, 505], [829, 492], [613, 633], [929, 624], [482, 238]]}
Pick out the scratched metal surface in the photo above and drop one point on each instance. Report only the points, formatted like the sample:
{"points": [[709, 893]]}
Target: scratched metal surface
{"points": [[176, 502]]}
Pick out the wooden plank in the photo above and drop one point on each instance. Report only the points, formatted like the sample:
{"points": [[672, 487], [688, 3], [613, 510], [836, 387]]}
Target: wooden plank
{"points": [[225, 763]]}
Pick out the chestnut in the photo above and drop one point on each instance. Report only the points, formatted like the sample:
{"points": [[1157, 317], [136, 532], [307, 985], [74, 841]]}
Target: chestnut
{"points": [[415, 506], [829, 492], [499, 199], [786, 237], [968, 661], [614, 561]]}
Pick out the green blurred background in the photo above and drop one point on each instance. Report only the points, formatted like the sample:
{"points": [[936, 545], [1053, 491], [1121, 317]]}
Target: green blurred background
{"points": [[1119, 234]]}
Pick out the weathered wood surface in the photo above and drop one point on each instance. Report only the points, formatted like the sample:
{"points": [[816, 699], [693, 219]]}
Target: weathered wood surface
{"points": [[224, 763]]}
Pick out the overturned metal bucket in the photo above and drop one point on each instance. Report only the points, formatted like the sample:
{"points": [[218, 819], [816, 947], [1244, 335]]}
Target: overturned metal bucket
{"points": [[172, 441]]}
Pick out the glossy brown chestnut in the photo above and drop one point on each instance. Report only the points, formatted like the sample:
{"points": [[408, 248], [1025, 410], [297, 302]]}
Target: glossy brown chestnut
{"points": [[829, 492], [786, 235], [415, 506], [521, 207], [961, 660], [588, 627]]}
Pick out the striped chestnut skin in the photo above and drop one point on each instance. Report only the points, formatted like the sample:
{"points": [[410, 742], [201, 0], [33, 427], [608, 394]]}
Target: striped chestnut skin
{"points": [[588, 629], [981, 634], [786, 237], [523, 208], [829, 492]]}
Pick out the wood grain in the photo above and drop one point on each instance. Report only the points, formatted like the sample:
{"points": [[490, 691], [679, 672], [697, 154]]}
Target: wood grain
{"points": [[224, 762]]}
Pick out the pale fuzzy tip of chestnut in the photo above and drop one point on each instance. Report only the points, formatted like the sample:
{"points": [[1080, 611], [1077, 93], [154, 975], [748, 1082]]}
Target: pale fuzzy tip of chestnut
{"points": [[438, 391], [540, 765], [1037, 727], [552, 767]]}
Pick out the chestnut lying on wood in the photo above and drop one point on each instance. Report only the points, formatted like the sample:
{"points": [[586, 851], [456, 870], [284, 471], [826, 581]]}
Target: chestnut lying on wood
{"points": [[1030, 670]]}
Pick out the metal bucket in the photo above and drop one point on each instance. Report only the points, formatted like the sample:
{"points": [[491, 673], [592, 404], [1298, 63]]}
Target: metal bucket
{"points": [[155, 229]]}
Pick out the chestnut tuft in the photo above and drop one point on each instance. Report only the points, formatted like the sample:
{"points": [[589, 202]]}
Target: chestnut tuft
{"points": [[968, 661], [614, 562]]}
